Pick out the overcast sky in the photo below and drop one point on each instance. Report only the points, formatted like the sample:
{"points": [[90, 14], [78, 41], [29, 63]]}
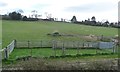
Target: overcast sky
{"points": [[82, 9]]}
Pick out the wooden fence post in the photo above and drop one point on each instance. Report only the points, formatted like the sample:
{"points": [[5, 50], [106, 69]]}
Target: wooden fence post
{"points": [[116, 50], [88, 44], [15, 43], [6, 54], [102, 37], [30, 48], [53, 46], [97, 47], [113, 49], [31, 52], [28, 44], [83, 45], [63, 50], [78, 48]]}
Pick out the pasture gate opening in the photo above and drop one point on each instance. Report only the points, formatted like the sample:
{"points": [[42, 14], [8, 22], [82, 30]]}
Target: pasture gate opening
{"points": [[55, 45]]}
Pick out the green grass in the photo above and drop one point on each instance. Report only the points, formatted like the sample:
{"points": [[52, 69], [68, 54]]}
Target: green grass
{"points": [[80, 58], [46, 52], [38, 30]]}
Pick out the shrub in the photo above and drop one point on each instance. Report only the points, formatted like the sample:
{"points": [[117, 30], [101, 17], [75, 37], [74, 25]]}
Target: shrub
{"points": [[48, 34], [29, 19]]}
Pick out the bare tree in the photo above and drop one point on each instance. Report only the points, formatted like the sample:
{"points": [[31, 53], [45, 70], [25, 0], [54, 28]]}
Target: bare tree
{"points": [[34, 14], [20, 11], [48, 16]]}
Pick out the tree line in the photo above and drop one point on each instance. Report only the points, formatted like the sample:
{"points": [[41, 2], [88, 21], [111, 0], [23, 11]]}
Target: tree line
{"points": [[93, 22], [16, 15]]}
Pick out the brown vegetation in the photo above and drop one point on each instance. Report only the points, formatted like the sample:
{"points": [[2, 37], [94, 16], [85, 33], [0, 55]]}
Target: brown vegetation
{"points": [[44, 64]]}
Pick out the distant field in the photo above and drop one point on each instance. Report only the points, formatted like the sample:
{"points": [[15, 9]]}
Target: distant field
{"points": [[38, 30]]}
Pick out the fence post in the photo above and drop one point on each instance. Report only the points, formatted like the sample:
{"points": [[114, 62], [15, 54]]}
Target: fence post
{"points": [[28, 44], [56, 44], [78, 48], [116, 48], [31, 52], [54, 48], [97, 47], [30, 48], [113, 49], [15, 43], [83, 45], [88, 44], [6, 54], [63, 49], [102, 37]]}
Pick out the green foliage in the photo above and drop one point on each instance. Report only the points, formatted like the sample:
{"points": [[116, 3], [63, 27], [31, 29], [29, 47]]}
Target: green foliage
{"points": [[6, 17], [15, 16], [24, 18], [74, 19]]}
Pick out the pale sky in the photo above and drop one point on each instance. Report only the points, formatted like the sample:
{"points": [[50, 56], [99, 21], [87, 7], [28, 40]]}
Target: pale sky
{"points": [[82, 9]]}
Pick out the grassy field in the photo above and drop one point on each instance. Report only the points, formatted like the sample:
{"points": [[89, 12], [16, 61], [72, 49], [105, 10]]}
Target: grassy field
{"points": [[46, 52], [38, 30]]}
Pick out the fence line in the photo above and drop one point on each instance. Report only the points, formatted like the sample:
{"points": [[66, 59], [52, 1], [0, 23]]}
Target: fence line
{"points": [[58, 44], [63, 45]]}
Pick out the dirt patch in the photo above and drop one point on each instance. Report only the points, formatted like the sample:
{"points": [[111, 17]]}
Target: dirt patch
{"points": [[89, 38]]}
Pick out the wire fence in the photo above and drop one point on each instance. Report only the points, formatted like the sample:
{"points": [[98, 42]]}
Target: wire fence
{"points": [[57, 44], [64, 46], [67, 44]]}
